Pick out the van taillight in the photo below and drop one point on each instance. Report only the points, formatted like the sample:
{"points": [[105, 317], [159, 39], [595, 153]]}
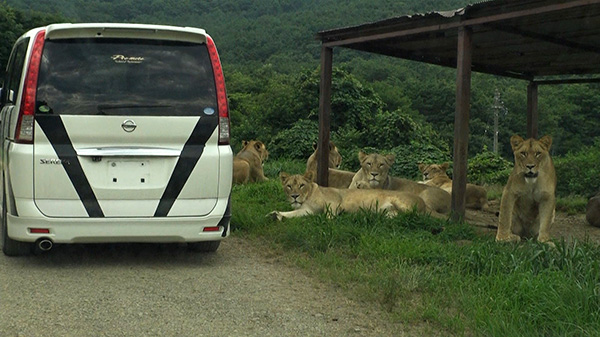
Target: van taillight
{"points": [[25, 121], [221, 92]]}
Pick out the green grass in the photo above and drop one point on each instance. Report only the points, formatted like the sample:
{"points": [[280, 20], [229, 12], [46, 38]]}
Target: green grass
{"points": [[572, 204], [423, 270]]}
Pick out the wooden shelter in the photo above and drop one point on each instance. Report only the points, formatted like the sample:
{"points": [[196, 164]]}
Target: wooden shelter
{"points": [[540, 41]]}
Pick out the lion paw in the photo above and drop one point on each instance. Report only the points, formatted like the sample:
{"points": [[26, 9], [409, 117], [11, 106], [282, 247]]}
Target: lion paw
{"points": [[275, 215], [547, 241], [508, 238]]}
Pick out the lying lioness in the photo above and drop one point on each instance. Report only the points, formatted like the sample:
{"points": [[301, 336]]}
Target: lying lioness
{"points": [[374, 169], [306, 197], [435, 175], [336, 178], [592, 214], [248, 163]]}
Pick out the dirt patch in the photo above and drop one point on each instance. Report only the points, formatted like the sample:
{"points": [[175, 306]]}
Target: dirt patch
{"points": [[565, 226]]}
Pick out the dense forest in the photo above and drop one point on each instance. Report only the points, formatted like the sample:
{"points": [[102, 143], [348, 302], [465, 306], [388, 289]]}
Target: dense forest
{"points": [[271, 58]]}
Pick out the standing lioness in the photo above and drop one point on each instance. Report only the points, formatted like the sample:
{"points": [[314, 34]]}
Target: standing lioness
{"points": [[306, 197], [528, 199]]}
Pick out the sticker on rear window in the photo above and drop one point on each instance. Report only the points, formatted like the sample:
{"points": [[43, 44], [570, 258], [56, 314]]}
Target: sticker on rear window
{"points": [[209, 111], [127, 59]]}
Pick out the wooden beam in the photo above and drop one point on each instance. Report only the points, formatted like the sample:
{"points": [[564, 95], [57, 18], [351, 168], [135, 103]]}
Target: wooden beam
{"points": [[532, 110], [567, 81], [324, 116], [461, 122]]}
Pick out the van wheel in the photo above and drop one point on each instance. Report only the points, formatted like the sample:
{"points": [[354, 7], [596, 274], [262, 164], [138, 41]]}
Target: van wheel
{"points": [[204, 246], [11, 247]]}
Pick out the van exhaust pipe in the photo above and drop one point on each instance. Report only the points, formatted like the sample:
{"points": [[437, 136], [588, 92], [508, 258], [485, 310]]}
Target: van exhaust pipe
{"points": [[44, 245]]}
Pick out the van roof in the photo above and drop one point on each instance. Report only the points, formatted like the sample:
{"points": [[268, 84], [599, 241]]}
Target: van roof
{"points": [[123, 30]]}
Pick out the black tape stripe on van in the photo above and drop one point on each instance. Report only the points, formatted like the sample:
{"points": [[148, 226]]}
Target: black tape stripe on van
{"points": [[57, 135], [192, 150]]}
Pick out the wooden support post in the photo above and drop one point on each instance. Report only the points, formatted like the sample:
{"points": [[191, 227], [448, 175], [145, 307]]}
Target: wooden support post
{"points": [[461, 123], [324, 116], [532, 110]]}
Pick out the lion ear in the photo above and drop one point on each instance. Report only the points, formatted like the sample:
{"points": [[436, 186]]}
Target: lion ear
{"points": [[445, 166], [244, 142], [515, 141], [283, 176], [391, 158], [546, 141], [361, 156], [258, 145], [331, 146], [309, 175], [422, 167]]}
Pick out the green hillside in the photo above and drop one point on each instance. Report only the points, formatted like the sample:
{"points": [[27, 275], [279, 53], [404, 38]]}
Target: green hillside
{"points": [[247, 30], [271, 56]]}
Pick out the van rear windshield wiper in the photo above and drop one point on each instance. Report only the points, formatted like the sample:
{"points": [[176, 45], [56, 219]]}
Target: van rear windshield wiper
{"points": [[102, 107]]}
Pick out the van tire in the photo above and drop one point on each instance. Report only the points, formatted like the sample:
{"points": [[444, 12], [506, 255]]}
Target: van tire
{"points": [[11, 247], [204, 246]]}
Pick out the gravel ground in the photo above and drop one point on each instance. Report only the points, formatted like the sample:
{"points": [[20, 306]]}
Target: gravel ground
{"points": [[165, 290]]}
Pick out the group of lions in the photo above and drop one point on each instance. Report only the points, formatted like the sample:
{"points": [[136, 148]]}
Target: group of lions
{"points": [[527, 206]]}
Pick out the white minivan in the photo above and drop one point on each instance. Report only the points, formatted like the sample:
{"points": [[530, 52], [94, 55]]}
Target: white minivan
{"points": [[114, 133]]}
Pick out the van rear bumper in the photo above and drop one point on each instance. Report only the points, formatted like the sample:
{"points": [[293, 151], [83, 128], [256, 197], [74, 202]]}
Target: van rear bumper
{"points": [[107, 230]]}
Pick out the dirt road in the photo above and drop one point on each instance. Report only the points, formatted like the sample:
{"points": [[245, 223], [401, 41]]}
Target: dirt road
{"points": [[164, 290]]}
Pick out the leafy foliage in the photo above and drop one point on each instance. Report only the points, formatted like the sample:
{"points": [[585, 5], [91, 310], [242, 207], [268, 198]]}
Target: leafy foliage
{"points": [[488, 167], [578, 172], [13, 23], [295, 142]]}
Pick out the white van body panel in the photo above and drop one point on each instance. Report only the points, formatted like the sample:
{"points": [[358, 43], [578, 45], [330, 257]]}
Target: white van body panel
{"points": [[85, 178]]}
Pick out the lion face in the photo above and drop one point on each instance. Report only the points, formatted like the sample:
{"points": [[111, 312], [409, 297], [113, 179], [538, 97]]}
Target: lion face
{"points": [[433, 170], [297, 188], [335, 158], [259, 147], [529, 155], [375, 167]]}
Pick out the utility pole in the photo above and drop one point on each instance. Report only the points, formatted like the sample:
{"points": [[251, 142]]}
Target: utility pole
{"points": [[497, 106]]}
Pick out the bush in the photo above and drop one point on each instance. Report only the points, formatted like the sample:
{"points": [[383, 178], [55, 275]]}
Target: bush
{"points": [[409, 156], [489, 168], [578, 173], [295, 142]]}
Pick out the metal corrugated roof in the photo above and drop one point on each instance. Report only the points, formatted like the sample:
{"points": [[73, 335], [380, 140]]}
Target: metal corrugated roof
{"points": [[528, 39]]}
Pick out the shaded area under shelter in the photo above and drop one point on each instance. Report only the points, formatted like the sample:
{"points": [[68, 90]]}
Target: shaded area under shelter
{"points": [[539, 41]]}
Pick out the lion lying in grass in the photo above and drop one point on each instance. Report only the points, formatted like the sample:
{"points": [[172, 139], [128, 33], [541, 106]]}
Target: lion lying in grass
{"points": [[306, 197], [528, 199], [435, 175], [337, 178], [592, 214], [374, 169], [248, 163]]}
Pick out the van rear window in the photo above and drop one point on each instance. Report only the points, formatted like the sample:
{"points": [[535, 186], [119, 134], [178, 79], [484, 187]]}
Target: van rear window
{"points": [[125, 77]]}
